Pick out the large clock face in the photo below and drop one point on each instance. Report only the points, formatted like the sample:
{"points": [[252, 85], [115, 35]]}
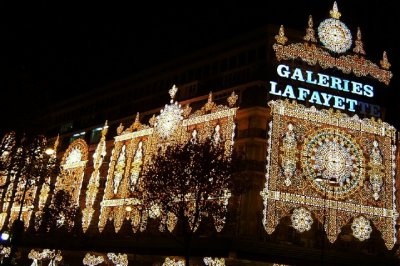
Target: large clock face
{"points": [[333, 162], [335, 35]]}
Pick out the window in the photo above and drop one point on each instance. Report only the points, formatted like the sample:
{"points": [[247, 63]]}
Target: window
{"points": [[77, 136], [66, 127], [95, 135]]}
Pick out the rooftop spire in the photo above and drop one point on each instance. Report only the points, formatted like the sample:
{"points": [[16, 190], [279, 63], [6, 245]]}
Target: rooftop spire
{"points": [[173, 91], [359, 46]]}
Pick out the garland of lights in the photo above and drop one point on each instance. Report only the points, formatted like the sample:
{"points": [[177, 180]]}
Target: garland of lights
{"points": [[94, 180], [46, 254], [8, 142], [135, 146], [27, 208], [334, 150]]}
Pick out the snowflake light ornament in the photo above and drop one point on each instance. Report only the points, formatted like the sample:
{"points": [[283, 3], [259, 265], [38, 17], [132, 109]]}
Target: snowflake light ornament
{"points": [[170, 117], [301, 219], [361, 228]]}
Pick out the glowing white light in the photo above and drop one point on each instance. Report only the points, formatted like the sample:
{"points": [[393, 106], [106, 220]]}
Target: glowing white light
{"points": [[74, 156], [168, 120], [5, 235], [49, 151]]}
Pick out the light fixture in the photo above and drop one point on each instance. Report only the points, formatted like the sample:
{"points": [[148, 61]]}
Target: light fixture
{"points": [[5, 235]]}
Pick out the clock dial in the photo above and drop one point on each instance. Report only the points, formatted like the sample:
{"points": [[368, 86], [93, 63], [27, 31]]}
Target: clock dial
{"points": [[333, 162], [335, 35]]}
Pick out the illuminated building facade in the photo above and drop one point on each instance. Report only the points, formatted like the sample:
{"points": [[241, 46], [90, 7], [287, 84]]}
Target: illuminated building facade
{"points": [[320, 162]]}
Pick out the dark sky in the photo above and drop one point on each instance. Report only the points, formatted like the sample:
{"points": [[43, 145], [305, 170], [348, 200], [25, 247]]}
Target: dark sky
{"points": [[51, 51]]}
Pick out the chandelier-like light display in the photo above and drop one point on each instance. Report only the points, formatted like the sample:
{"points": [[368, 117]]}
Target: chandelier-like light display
{"points": [[73, 167], [336, 37], [347, 170], [334, 34], [334, 156], [170, 117], [134, 147]]}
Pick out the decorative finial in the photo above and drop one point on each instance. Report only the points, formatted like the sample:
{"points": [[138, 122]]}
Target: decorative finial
{"points": [[281, 38], [136, 124], [187, 110], [310, 33], [335, 11], [104, 130], [359, 46], [173, 91], [152, 120], [120, 128], [232, 99], [56, 143], [210, 104], [385, 62]]}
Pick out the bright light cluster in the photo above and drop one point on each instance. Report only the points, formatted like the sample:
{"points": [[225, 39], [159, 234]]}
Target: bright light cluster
{"points": [[92, 260], [46, 254], [301, 219], [118, 259], [4, 251], [335, 35], [289, 155], [170, 117], [73, 168], [34, 169], [208, 261], [376, 171], [94, 181], [173, 262], [361, 228]]}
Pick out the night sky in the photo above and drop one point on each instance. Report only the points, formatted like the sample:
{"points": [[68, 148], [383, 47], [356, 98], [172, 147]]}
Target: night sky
{"points": [[52, 51]]}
